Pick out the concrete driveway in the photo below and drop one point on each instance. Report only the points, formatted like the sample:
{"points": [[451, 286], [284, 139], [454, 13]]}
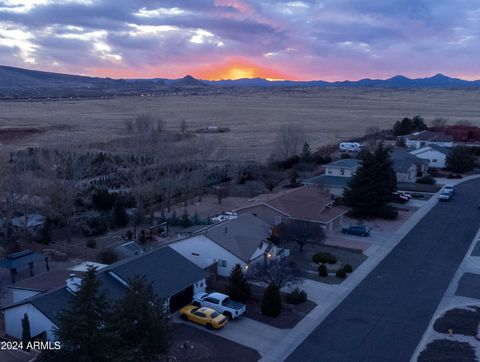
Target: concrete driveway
{"points": [[246, 331]]}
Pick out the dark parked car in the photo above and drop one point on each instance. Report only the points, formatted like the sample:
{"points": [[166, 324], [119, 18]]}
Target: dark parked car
{"points": [[399, 198], [360, 230]]}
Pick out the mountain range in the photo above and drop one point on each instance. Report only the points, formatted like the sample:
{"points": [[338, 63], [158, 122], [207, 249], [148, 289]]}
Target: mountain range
{"points": [[19, 82]]}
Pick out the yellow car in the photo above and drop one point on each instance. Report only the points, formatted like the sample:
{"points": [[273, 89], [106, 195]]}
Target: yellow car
{"points": [[204, 316]]}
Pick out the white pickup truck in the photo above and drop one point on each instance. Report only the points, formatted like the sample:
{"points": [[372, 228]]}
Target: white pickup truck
{"points": [[221, 303]]}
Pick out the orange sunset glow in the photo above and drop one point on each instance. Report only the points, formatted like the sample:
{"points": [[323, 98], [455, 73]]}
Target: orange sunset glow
{"points": [[237, 69]]}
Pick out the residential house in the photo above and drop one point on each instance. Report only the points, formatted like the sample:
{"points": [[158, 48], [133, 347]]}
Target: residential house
{"points": [[436, 155], [423, 138], [305, 203], [31, 223], [242, 241], [336, 176], [174, 278], [38, 284], [407, 166]]}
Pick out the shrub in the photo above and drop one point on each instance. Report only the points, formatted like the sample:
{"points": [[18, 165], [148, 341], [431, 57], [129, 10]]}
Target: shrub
{"points": [[341, 274], [91, 243], [297, 296], [107, 256], [345, 155], [387, 212], [120, 216], [322, 271], [427, 180], [95, 226], [324, 258], [271, 302], [348, 268]]}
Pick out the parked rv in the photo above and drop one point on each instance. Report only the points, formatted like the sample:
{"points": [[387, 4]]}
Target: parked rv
{"points": [[350, 146]]}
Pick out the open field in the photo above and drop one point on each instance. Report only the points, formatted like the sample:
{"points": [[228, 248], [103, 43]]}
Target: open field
{"points": [[327, 115]]}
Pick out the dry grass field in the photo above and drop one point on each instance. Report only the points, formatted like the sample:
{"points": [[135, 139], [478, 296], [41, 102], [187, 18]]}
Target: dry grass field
{"points": [[327, 115]]}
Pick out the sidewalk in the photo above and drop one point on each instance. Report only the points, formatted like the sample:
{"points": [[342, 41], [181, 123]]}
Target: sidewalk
{"points": [[470, 264]]}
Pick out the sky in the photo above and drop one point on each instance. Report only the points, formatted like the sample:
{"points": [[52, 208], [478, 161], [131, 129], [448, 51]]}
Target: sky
{"points": [[231, 39]]}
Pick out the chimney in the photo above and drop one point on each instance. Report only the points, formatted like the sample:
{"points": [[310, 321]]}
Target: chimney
{"points": [[73, 283]]}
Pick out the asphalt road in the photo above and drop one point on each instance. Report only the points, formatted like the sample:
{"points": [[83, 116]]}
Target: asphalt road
{"points": [[385, 316]]}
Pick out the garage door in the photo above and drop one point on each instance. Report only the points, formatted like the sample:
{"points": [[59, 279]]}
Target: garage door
{"points": [[181, 299]]}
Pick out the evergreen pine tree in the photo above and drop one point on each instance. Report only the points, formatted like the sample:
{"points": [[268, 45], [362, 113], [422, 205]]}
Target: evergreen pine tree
{"points": [[45, 235], [82, 328], [120, 215], [460, 159], [185, 221], [271, 302], [238, 288], [370, 189], [140, 321], [26, 336]]}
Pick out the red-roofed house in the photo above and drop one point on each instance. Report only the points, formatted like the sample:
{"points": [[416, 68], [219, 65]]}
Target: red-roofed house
{"points": [[306, 203]]}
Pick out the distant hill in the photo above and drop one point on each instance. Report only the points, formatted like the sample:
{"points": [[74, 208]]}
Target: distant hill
{"points": [[188, 81], [399, 81], [25, 82], [22, 83]]}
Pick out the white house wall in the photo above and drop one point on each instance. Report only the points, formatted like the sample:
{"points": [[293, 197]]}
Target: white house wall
{"points": [[419, 144], [38, 321], [437, 159], [21, 294], [337, 171], [203, 252]]}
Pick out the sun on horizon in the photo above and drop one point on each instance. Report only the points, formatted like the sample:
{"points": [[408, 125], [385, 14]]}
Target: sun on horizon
{"points": [[238, 69]]}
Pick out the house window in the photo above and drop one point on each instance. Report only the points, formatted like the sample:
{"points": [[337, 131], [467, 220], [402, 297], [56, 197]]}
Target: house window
{"points": [[342, 172], [196, 254], [434, 160], [222, 263], [278, 220], [329, 171]]}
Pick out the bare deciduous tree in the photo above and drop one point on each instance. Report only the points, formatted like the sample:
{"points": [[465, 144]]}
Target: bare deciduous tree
{"points": [[301, 232], [464, 122], [65, 176], [288, 142], [439, 122], [280, 273]]}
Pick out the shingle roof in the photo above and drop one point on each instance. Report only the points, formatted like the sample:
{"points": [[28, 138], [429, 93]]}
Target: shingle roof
{"points": [[241, 236], [50, 303], [303, 203], [430, 136], [403, 160], [438, 148], [169, 272], [327, 180], [45, 281], [345, 163]]}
